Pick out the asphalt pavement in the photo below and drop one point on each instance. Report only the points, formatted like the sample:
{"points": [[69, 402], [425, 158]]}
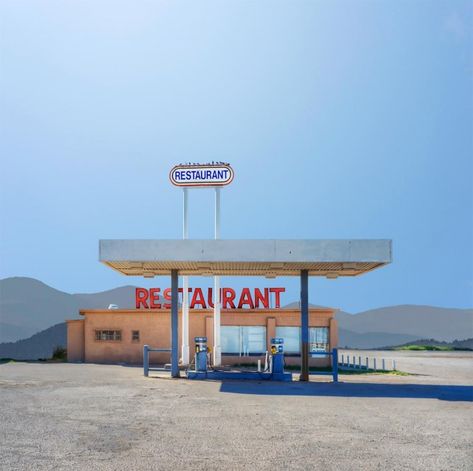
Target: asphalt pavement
{"points": [[109, 417]]}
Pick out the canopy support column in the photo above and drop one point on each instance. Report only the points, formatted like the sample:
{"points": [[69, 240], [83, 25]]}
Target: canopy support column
{"points": [[304, 325], [174, 325]]}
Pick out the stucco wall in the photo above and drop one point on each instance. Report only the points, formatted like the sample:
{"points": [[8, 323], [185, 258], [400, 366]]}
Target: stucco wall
{"points": [[155, 330], [75, 340]]}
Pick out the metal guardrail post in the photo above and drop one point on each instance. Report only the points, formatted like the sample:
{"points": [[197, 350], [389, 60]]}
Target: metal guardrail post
{"points": [[335, 365], [146, 359]]}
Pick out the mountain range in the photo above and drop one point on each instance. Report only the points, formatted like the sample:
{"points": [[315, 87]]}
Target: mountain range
{"points": [[28, 307]]}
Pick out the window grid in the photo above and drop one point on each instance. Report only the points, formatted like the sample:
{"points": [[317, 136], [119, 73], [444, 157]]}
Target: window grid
{"points": [[243, 340], [109, 335], [319, 339]]}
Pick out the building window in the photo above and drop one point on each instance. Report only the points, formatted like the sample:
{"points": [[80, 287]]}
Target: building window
{"points": [[318, 339], [243, 340], [115, 335], [292, 338], [135, 335]]}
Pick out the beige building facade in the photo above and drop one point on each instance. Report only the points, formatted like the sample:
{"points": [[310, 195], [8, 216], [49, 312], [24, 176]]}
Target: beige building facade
{"points": [[118, 336]]}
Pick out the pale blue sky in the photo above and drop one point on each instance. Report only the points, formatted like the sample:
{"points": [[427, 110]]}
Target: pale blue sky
{"points": [[341, 120]]}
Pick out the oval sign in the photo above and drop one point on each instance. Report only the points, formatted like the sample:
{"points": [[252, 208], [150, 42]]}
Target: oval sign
{"points": [[201, 175]]}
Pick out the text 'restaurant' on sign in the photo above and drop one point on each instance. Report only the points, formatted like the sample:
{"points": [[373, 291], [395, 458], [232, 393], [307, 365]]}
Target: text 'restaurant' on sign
{"points": [[249, 299], [201, 175]]}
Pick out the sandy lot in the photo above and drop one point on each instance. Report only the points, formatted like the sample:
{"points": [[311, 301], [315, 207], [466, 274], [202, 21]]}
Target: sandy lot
{"points": [[98, 417]]}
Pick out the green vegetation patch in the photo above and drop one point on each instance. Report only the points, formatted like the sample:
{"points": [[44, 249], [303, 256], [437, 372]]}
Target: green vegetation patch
{"points": [[435, 348], [373, 372], [59, 354]]}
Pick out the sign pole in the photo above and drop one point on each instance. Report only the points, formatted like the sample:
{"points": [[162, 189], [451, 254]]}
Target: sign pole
{"points": [[217, 301], [185, 287], [211, 175]]}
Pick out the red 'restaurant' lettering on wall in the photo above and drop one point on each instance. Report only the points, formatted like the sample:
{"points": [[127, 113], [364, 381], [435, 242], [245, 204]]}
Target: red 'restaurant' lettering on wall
{"points": [[257, 298]]}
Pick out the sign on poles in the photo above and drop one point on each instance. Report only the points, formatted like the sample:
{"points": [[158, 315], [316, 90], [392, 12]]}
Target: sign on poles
{"points": [[219, 174]]}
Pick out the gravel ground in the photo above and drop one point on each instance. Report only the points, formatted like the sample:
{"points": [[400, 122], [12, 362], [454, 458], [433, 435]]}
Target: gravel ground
{"points": [[99, 417]]}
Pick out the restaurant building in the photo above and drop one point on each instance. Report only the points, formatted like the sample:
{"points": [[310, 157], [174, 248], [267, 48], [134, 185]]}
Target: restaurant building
{"points": [[248, 322]]}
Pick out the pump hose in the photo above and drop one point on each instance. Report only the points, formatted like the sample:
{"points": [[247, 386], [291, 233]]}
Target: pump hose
{"points": [[192, 363]]}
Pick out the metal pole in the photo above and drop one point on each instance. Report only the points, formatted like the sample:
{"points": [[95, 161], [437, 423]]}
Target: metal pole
{"points": [[145, 360], [174, 325], [304, 325], [185, 287], [335, 365], [217, 301]]}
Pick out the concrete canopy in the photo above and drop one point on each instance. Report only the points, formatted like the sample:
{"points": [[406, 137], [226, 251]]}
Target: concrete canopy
{"points": [[267, 257]]}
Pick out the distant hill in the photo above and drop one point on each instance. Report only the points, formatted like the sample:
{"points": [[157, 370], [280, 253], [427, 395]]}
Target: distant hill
{"points": [[40, 345], [28, 306], [466, 344], [445, 324], [395, 325], [349, 339]]}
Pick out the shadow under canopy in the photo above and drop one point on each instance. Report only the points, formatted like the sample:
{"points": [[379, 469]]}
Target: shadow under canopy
{"points": [[408, 391]]}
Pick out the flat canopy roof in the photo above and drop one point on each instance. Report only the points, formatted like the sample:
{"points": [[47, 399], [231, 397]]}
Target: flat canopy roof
{"points": [[268, 257]]}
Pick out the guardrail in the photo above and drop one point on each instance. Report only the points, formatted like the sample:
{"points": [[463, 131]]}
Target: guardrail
{"points": [[355, 362], [146, 350]]}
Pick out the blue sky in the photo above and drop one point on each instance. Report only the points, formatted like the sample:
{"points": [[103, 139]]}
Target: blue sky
{"points": [[341, 120]]}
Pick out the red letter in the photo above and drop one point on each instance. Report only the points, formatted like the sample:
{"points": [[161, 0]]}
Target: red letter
{"points": [[181, 290], [198, 298], [209, 297], [228, 299], [245, 298], [259, 297], [153, 297], [277, 292], [167, 296], [141, 298]]}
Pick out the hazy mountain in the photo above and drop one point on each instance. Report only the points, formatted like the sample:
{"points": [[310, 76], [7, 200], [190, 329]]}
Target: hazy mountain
{"points": [[40, 345], [28, 305], [439, 323], [349, 339], [395, 325]]}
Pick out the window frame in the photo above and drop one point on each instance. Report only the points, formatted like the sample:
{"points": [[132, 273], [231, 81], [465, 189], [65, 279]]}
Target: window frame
{"points": [[319, 353], [241, 337], [99, 333]]}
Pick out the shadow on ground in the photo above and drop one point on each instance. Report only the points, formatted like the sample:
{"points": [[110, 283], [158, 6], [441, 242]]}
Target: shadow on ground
{"points": [[410, 391]]}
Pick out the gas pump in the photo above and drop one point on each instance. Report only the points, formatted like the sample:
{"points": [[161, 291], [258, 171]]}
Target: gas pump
{"points": [[202, 370], [277, 356], [201, 350]]}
